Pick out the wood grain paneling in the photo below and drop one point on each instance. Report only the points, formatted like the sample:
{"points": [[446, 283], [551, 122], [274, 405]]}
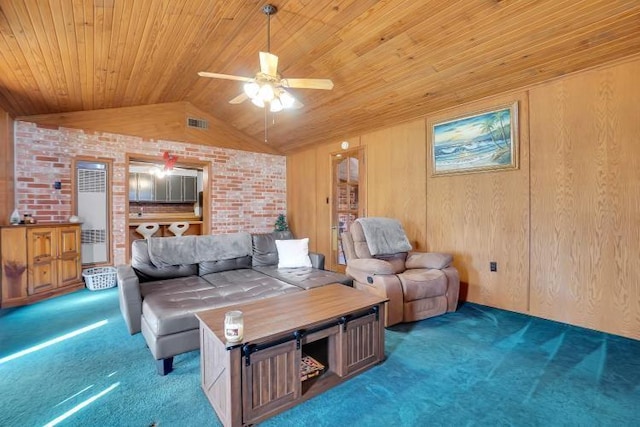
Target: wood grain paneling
{"points": [[391, 61], [395, 167], [563, 228], [301, 196], [7, 174], [585, 203], [324, 197], [309, 195], [159, 121], [484, 217]]}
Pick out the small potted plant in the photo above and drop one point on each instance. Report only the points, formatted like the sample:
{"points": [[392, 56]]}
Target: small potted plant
{"points": [[281, 223]]}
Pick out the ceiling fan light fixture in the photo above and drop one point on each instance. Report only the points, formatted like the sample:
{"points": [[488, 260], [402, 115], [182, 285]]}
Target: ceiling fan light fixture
{"points": [[286, 99], [258, 102], [251, 89], [275, 105], [266, 93]]}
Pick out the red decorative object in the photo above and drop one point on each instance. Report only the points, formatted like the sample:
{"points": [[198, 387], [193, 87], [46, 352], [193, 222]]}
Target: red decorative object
{"points": [[169, 161]]}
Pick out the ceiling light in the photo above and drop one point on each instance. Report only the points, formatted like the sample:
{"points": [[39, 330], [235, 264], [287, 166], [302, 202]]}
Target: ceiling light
{"points": [[275, 105], [266, 92], [258, 102], [286, 99], [251, 89]]}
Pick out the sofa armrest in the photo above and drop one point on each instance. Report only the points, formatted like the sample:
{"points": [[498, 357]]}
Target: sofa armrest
{"points": [[378, 277], [453, 287], [129, 297], [436, 260], [317, 260], [363, 267]]}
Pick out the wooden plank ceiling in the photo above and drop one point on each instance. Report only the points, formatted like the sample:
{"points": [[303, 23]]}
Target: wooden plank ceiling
{"points": [[390, 60]]}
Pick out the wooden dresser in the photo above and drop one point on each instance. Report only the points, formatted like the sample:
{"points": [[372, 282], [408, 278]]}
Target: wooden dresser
{"points": [[39, 261]]}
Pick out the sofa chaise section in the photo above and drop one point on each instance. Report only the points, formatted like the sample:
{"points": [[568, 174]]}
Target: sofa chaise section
{"points": [[160, 299]]}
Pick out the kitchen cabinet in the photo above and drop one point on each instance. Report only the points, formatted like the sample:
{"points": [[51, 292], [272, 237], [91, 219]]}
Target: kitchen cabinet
{"points": [[189, 189], [175, 189], [39, 261], [146, 187]]}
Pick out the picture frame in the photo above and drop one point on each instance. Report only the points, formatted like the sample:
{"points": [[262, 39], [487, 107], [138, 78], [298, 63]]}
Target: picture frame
{"points": [[481, 141]]}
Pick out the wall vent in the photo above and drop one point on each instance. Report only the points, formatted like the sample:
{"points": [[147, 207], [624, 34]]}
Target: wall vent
{"points": [[197, 123]]}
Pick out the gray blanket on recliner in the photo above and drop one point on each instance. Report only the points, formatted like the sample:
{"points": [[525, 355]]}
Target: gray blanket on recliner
{"points": [[165, 251], [384, 235]]}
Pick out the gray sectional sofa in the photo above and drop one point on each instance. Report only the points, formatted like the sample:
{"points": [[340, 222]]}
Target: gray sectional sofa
{"points": [[171, 278]]}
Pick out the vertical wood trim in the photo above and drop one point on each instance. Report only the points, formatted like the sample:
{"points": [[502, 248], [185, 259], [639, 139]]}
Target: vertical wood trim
{"points": [[74, 199], [7, 171]]}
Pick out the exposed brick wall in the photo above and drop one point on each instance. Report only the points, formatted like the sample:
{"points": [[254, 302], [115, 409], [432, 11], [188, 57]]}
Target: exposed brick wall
{"points": [[248, 190]]}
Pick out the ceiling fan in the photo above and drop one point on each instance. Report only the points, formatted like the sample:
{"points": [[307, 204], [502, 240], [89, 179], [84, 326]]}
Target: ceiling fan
{"points": [[268, 87]]}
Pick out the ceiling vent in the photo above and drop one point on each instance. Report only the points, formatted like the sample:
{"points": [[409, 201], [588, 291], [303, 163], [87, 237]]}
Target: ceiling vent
{"points": [[197, 123]]}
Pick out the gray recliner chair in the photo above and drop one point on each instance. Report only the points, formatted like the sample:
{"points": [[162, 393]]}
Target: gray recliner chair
{"points": [[418, 285]]}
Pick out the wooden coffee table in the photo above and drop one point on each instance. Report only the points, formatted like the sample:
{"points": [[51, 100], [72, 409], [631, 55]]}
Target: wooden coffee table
{"points": [[333, 326]]}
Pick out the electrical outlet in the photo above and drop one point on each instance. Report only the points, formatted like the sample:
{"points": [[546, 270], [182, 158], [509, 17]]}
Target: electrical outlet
{"points": [[493, 266]]}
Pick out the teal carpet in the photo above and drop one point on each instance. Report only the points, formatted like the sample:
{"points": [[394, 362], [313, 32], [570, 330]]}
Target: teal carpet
{"points": [[476, 367]]}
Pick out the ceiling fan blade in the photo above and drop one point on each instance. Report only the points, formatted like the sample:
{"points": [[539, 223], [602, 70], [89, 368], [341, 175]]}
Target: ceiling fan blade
{"points": [[268, 64], [325, 84], [239, 99], [224, 76]]}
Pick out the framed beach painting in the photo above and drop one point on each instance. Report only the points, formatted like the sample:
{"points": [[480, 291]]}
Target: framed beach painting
{"points": [[483, 141]]}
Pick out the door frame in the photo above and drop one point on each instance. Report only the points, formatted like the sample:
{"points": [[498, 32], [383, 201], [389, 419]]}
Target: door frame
{"points": [[334, 238]]}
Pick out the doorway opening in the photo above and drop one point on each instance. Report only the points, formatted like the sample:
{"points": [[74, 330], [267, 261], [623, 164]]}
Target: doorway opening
{"points": [[166, 199]]}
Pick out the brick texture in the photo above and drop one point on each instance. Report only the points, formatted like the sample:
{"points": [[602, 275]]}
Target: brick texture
{"points": [[248, 190]]}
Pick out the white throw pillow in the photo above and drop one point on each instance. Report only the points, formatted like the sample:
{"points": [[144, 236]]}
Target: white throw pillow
{"points": [[293, 253]]}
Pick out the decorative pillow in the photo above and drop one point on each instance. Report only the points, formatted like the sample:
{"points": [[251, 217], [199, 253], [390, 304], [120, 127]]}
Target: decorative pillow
{"points": [[293, 253]]}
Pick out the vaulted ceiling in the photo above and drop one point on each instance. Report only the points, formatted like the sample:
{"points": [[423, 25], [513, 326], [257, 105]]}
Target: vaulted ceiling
{"points": [[390, 61]]}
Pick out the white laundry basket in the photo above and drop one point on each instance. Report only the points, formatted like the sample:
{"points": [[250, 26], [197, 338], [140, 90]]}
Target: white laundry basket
{"points": [[100, 277]]}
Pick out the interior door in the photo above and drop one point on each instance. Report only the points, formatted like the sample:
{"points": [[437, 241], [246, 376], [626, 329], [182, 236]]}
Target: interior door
{"points": [[347, 170]]}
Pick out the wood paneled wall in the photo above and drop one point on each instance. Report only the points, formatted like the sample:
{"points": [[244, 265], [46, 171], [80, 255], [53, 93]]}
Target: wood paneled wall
{"points": [[563, 228], [484, 217], [395, 166], [585, 200], [7, 188], [308, 195], [301, 210]]}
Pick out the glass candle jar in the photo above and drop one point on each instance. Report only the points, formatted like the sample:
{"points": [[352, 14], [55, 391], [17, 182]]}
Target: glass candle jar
{"points": [[233, 326]]}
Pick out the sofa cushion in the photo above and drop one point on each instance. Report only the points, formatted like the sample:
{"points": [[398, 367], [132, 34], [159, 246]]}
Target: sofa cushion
{"points": [[172, 310], [174, 285], [293, 253], [146, 271], [305, 277], [207, 267], [165, 251], [264, 247]]}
